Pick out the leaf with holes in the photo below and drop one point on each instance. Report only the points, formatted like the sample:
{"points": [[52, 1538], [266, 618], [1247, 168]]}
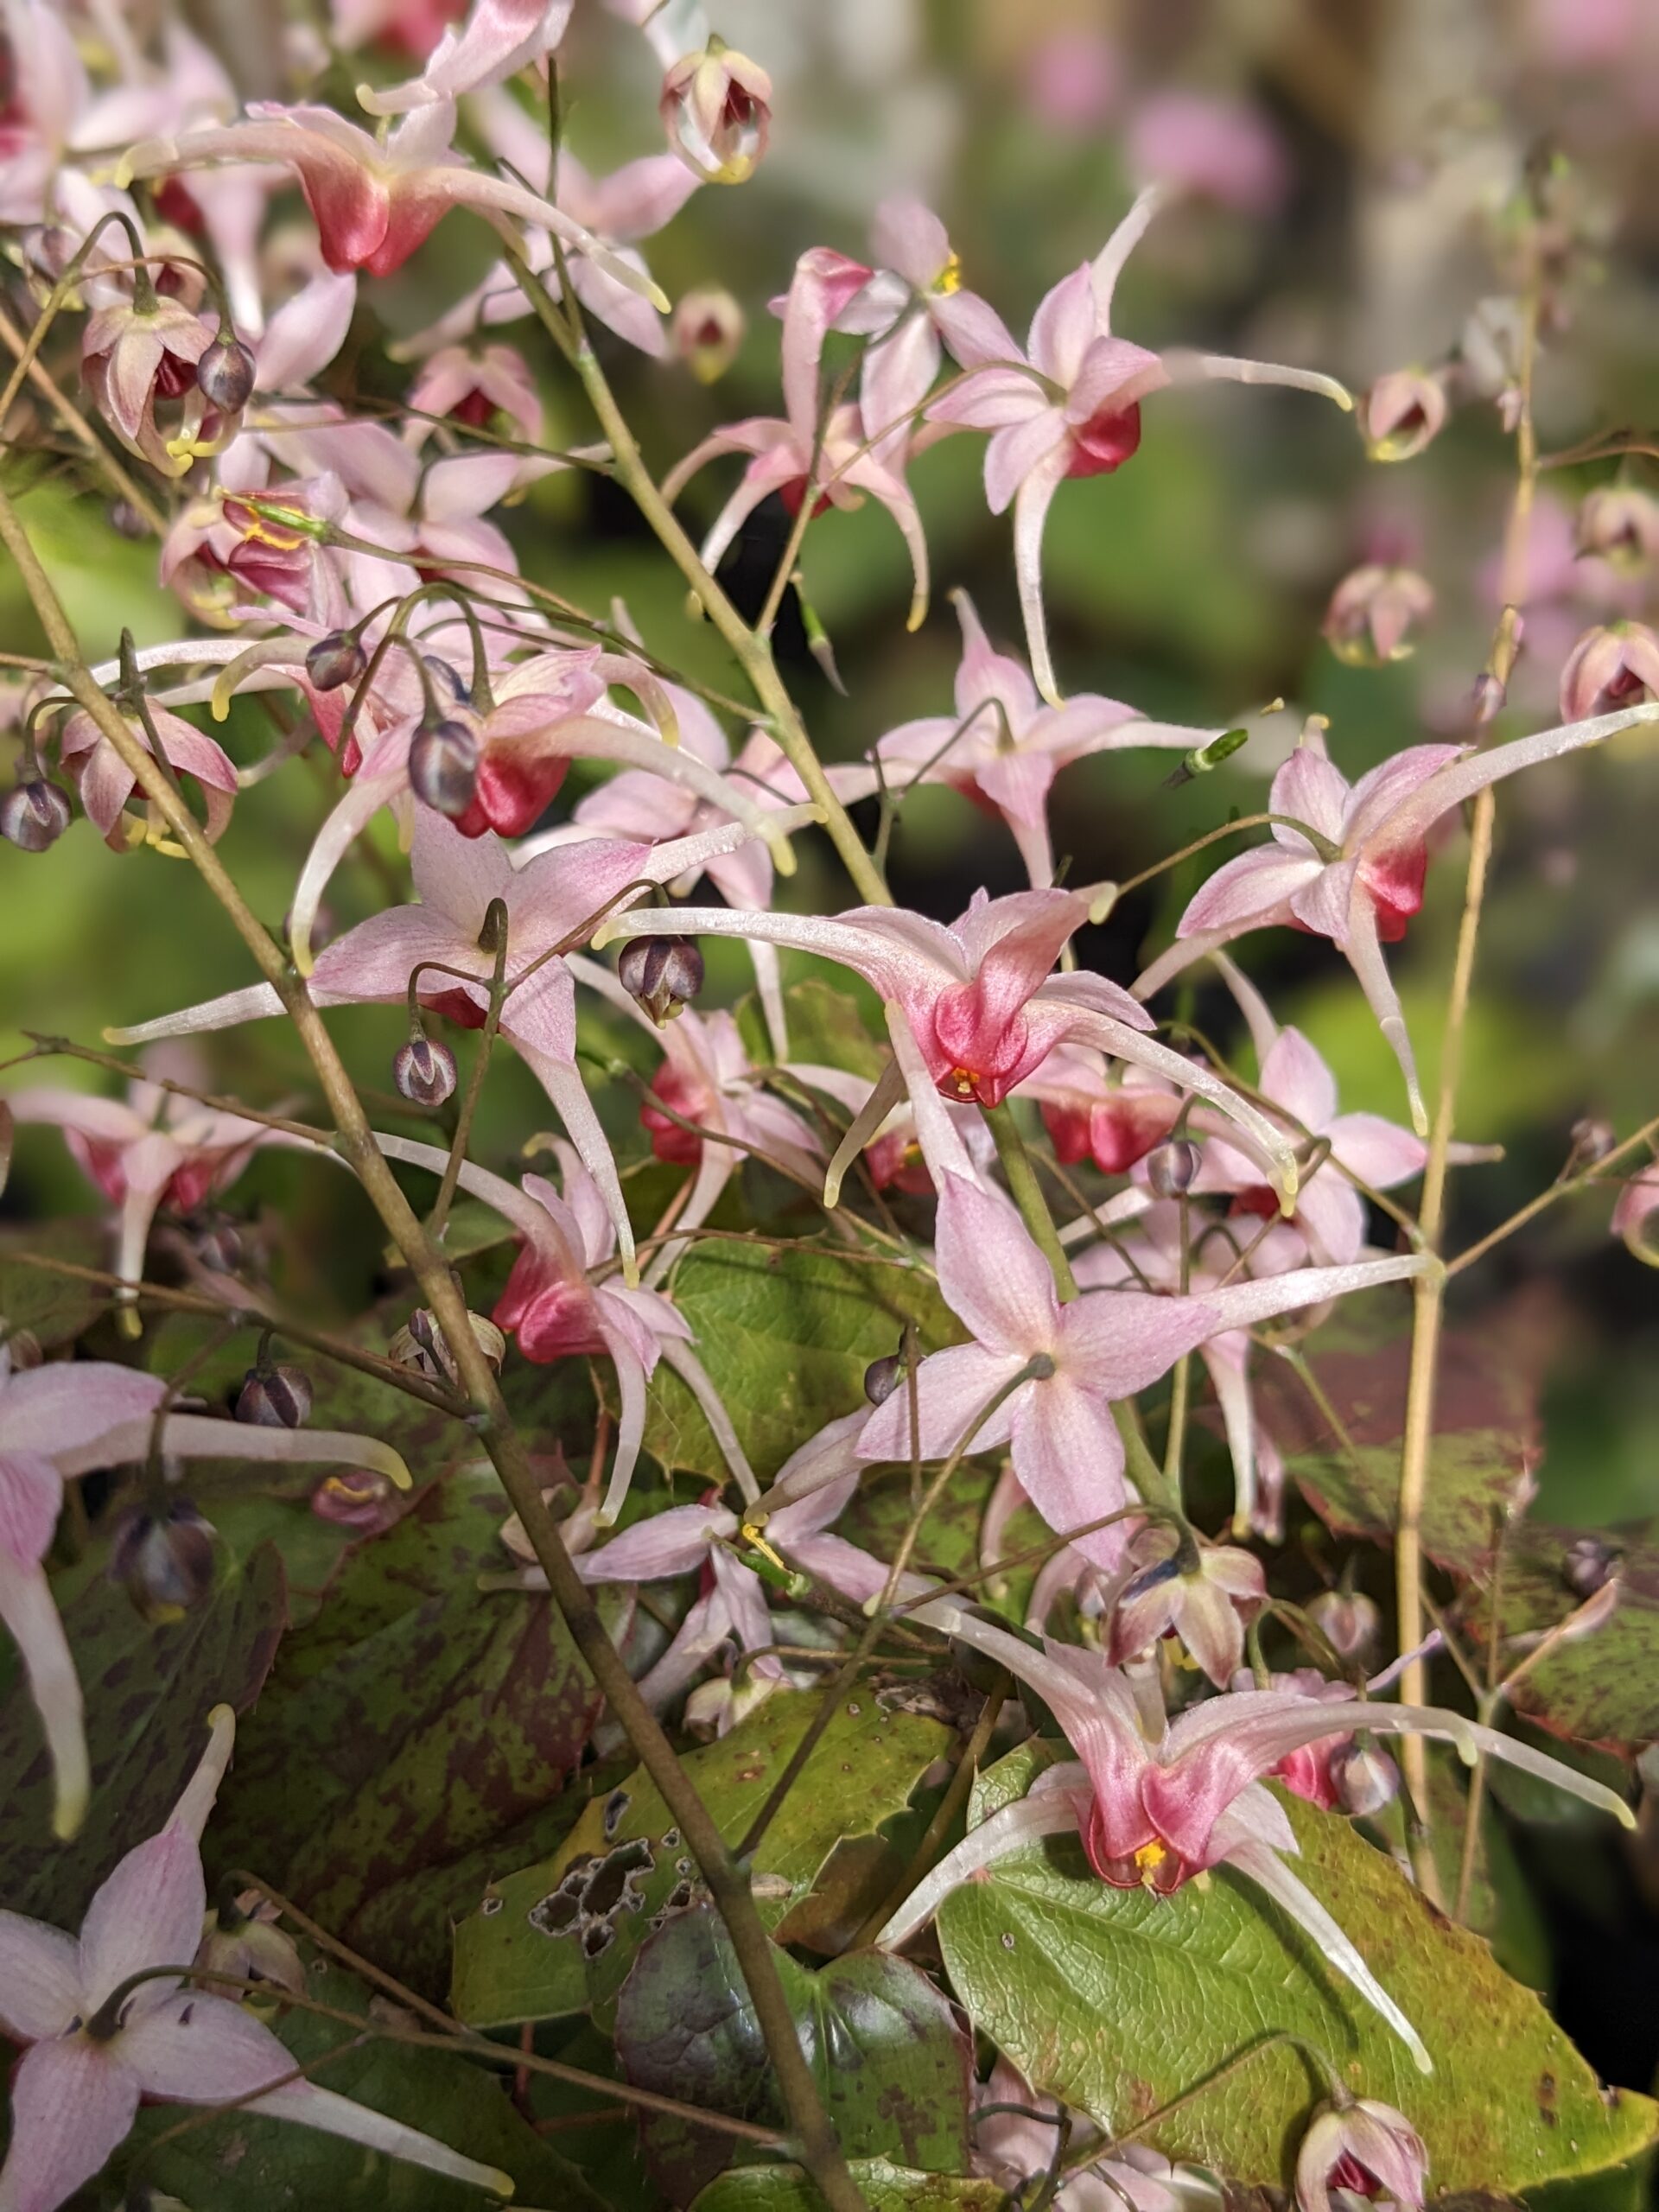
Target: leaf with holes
{"points": [[891, 2058], [785, 1336], [562, 1935], [1041, 1953]]}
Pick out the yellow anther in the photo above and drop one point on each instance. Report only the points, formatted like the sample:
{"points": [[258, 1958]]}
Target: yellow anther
{"points": [[950, 277]]}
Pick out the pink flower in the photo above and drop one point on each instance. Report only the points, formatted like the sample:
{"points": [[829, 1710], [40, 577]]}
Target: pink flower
{"points": [[1003, 748], [1018, 2151], [65, 1419], [1361, 2148], [1158, 1801], [972, 1009], [138, 354], [1071, 406], [832, 462], [1087, 1117], [86, 2066], [1354, 872], [1610, 668], [374, 204], [472, 385], [1104, 1347], [716, 110], [1632, 1211], [107, 783], [1402, 412], [1212, 146], [1205, 1595], [548, 902], [1372, 612], [499, 38]]}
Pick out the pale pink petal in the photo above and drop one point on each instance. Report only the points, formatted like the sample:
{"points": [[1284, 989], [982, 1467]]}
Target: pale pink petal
{"points": [[1069, 1458], [72, 2105], [953, 1389], [39, 1990], [1247, 892], [1311, 789], [1295, 1076], [1014, 454], [991, 399], [991, 1274], [1119, 1342], [1107, 265], [1380, 1153], [1064, 326], [64, 1408], [971, 327], [1053, 1812], [306, 333], [30, 1617], [31, 1493], [148, 1913]]}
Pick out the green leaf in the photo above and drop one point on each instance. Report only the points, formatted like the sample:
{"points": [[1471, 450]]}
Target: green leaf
{"points": [[827, 1028], [884, 2186], [1042, 1952], [562, 1935], [242, 2162], [413, 1721], [56, 1308], [892, 2061], [148, 1690], [948, 1544], [1345, 1454], [785, 1336]]}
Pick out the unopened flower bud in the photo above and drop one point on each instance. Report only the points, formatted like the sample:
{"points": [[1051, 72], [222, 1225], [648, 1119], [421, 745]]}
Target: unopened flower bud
{"points": [[1620, 522], [1366, 1779], [424, 1071], [164, 1561], [1365, 2147], [1171, 1167], [222, 1249], [883, 1376], [1348, 1621], [1615, 666], [226, 373], [275, 1396], [239, 1937], [127, 521], [335, 660], [1588, 1565], [1401, 414], [1372, 612], [33, 815], [443, 768], [663, 973], [708, 329], [716, 110], [421, 1343], [1593, 1140], [356, 1497]]}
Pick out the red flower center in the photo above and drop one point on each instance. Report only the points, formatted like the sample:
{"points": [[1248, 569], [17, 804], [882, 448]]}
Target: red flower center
{"points": [[1105, 441]]}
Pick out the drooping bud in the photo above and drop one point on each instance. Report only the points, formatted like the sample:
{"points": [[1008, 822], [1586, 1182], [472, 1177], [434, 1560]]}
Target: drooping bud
{"points": [[443, 768], [1365, 1778], [241, 1938], [356, 1497], [716, 110], [665, 974], [1365, 2147], [1614, 666], [335, 660], [1372, 612], [1171, 1167], [424, 1071], [275, 1396], [1401, 414], [883, 1376], [222, 1249], [1593, 1140], [421, 1343], [1620, 522], [708, 329], [226, 373], [1349, 1621], [33, 815], [1588, 1565], [164, 1561]]}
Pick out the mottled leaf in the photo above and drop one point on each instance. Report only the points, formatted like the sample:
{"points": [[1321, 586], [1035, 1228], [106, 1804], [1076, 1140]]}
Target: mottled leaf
{"points": [[1042, 1952], [54, 1308], [884, 2188], [562, 1935]]}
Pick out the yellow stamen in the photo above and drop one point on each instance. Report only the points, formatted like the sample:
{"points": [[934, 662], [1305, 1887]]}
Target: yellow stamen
{"points": [[1150, 1857], [965, 1081], [752, 1535], [950, 277]]}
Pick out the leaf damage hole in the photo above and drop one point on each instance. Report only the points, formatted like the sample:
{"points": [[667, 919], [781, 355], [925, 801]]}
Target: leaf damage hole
{"points": [[615, 1806], [606, 1885]]}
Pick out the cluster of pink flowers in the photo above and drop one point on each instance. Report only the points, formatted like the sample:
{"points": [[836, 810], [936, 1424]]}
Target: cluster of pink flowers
{"points": [[357, 567]]}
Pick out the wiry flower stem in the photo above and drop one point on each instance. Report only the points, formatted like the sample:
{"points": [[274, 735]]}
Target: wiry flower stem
{"points": [[728, 1881]]}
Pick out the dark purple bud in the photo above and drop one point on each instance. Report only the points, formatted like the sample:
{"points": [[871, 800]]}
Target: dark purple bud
{"points": [[33, 815], [164, 1561], [443, 768], [226, 373], [221, 1249], [1365, 1778], [663, 973], [1587, 1566], [127, 521], [1171, 1167], [1593, 1140], [1349, 1621], [883, 1376], [447, 678], [335, 660], [424, 1071], [275, 1397]]}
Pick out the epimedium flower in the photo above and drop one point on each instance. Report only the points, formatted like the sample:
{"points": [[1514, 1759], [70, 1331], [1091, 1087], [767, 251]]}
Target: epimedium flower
{"points": [[1203, 1594], [106, 783], [805, 455], [1620, 522], [1402, 413], [1359, 2147], [65, 1419], [972, 1009], [1071, 406], [1004, 747], [96, 2040], [1373, 612], [373, 203], [550, 902], [555, 1308], [716, 110], [1090, 1116], [1016, 2148], [1061, 1368], [1633, 1211], [499, 38], [1353, 868], [1156, 1802], [1616, 665]]}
